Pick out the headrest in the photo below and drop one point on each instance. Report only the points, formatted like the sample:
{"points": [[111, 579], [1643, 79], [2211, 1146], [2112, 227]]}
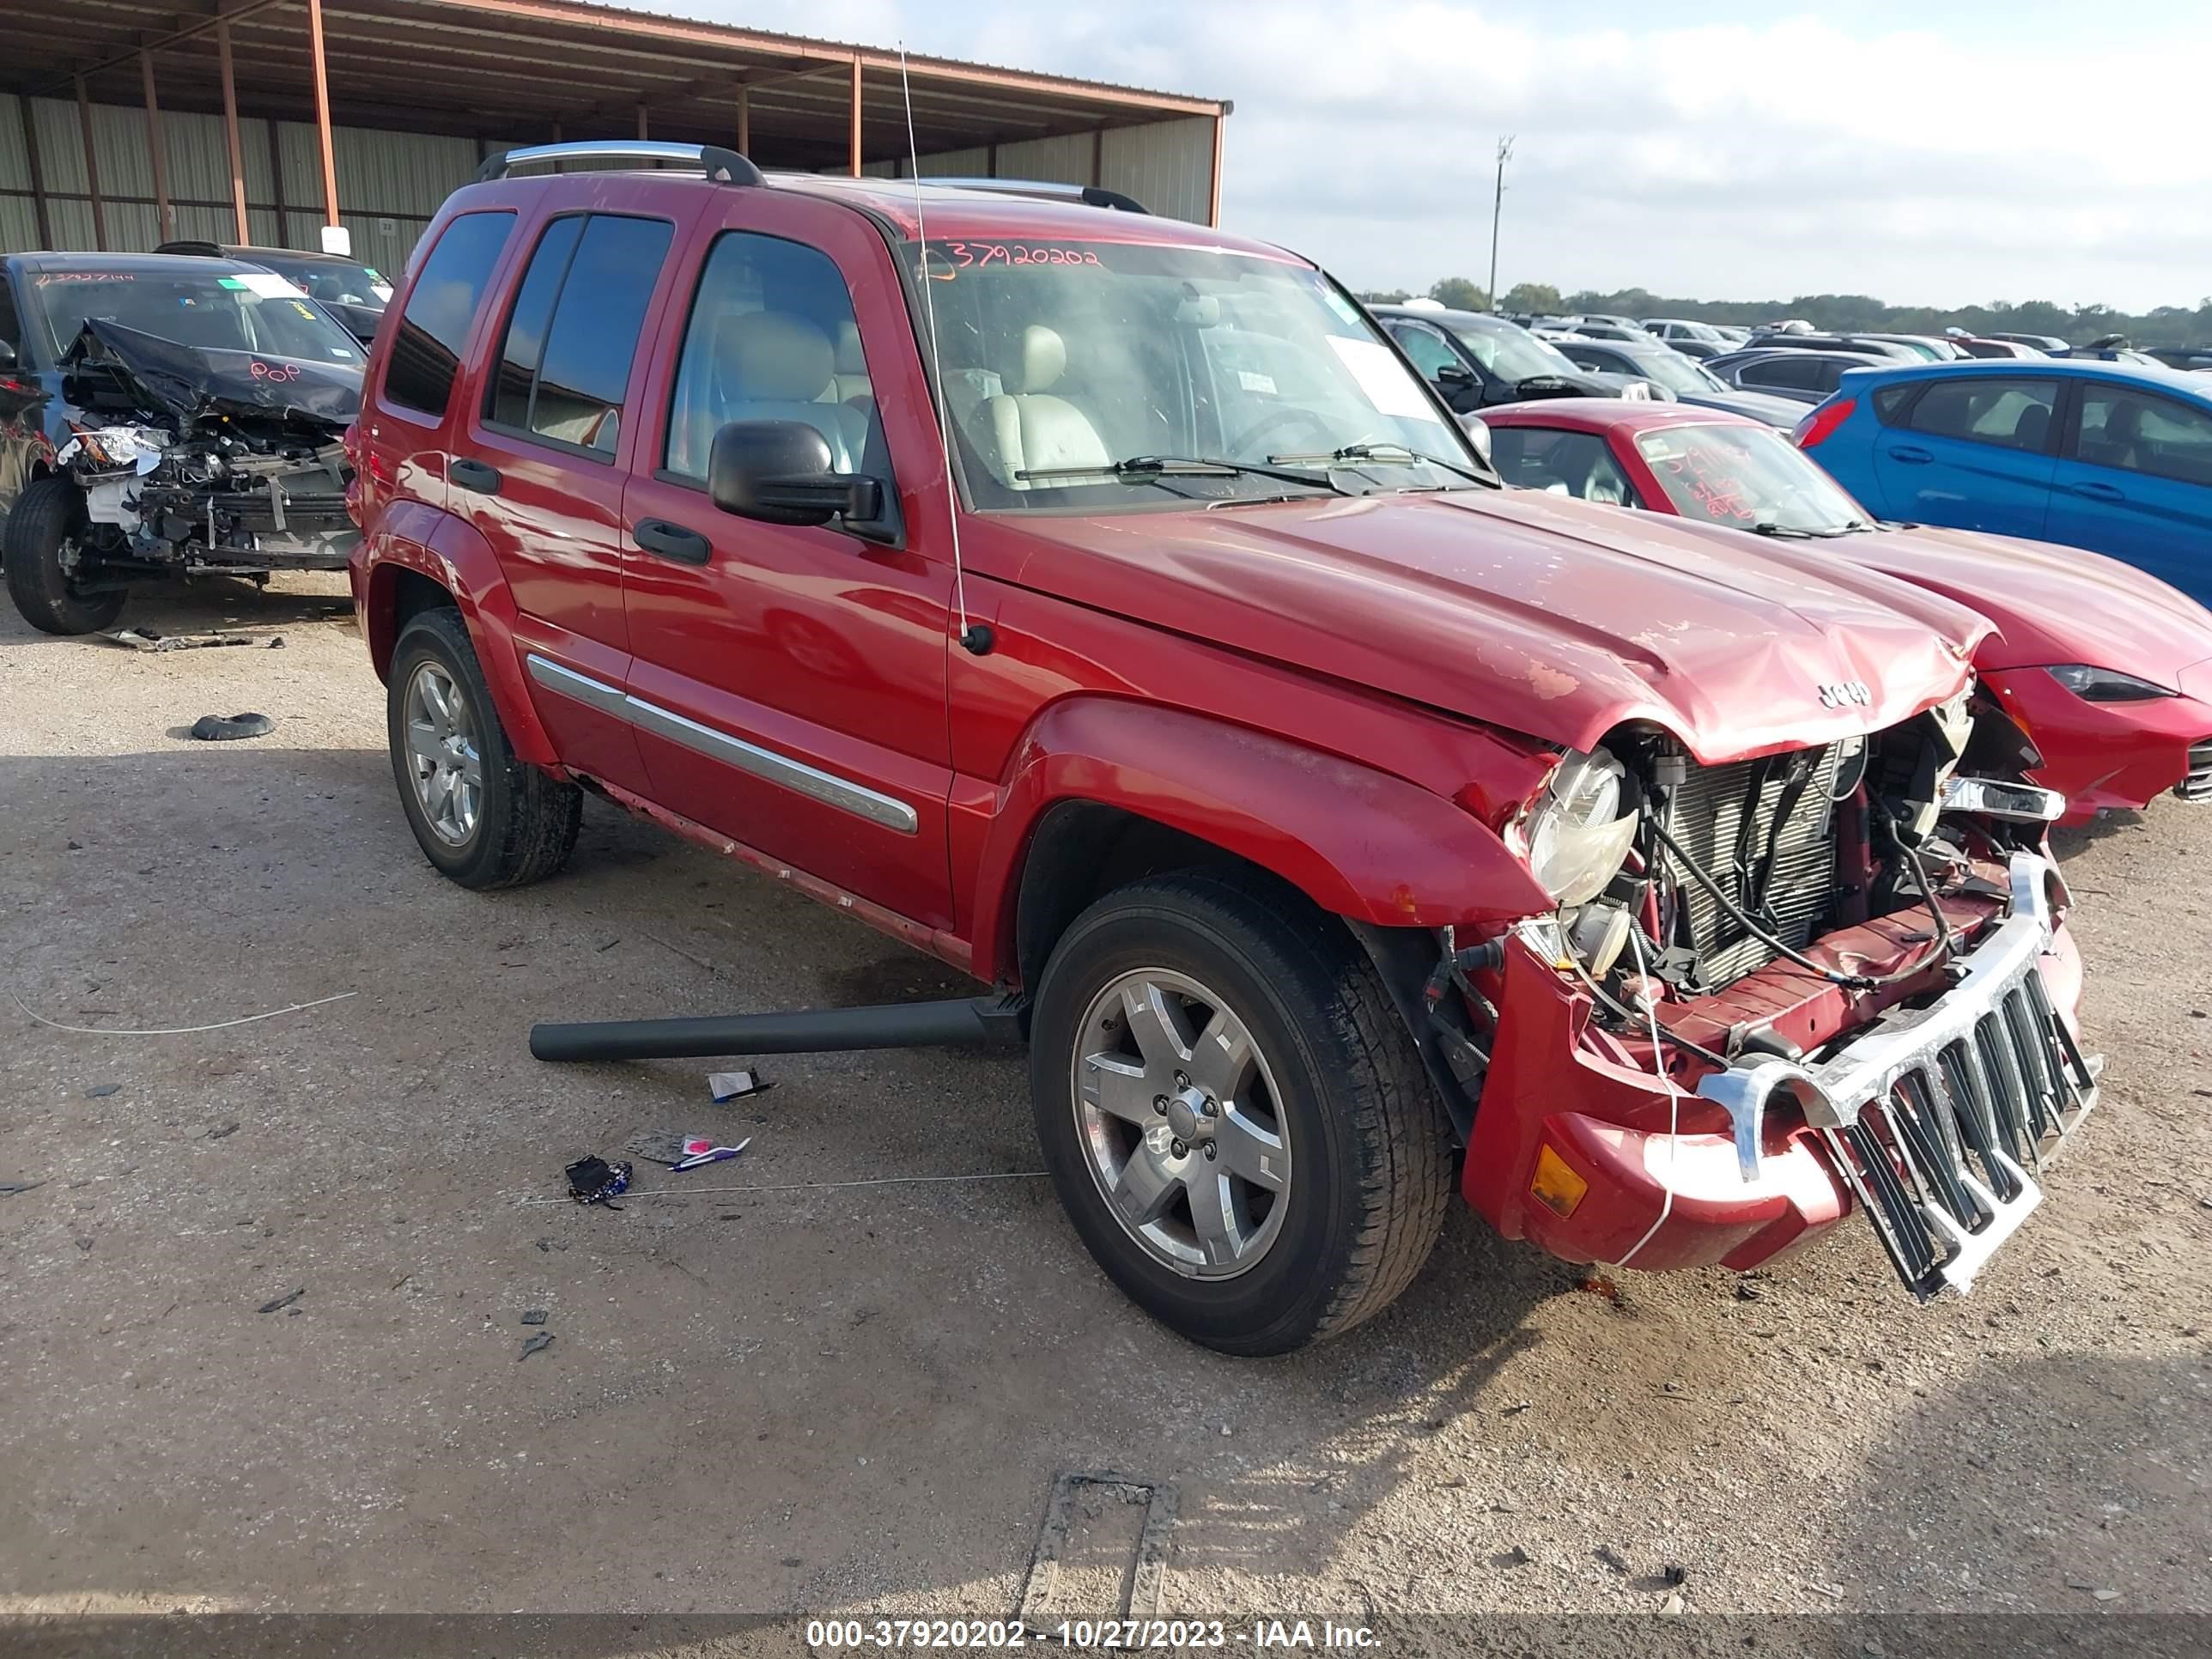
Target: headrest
{"points": [[1043, 359], [849, 358], [770, 356]]}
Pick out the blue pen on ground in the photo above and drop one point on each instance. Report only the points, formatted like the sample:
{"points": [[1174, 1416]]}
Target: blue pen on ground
{"points": [[701, 1149]]}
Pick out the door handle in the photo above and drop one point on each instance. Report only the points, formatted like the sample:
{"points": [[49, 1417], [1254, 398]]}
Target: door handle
{"points": [[672, 541], [473, 475], [1910, 454], [2096, 492]]}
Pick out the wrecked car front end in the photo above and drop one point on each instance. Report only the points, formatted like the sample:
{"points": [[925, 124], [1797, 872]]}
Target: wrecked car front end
{"points": [[1778, 990], [196, 460]]}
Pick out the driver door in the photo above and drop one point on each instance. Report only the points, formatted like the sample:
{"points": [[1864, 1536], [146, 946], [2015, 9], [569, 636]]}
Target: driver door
{"points": [[788, 682]]}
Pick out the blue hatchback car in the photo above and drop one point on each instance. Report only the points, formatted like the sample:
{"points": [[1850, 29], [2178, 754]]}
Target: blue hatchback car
{"points": [[2106, 456]]}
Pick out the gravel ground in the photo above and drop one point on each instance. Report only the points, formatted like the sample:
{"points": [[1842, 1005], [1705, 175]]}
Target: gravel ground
{"points": [[803, 1401]]}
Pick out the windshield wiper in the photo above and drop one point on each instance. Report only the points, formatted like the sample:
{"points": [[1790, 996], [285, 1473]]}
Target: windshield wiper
{"points": [[1378, 454], [1150, 469], [1793, 532]]}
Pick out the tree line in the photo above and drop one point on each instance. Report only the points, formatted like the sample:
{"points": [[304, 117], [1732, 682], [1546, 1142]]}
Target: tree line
{"points": [[2165, 326]]}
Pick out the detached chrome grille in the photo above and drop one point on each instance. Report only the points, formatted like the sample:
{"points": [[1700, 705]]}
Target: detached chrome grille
{"points": [[1942, 1118], [2197, 786], [1725, 817]]}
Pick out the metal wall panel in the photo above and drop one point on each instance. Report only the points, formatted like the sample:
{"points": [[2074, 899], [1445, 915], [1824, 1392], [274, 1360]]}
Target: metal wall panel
{"points": [[390, 184], [61, 146], [946, 164], [118, 140], [957, 163], [14, 161], [197, 158], [1062, 160], [19, 221], [1166, 164], [72, 221]]}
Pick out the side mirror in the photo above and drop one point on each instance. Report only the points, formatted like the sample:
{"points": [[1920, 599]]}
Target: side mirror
{"points": [[1478, 436], [7, 356], [1453, 374], [778, 473]]}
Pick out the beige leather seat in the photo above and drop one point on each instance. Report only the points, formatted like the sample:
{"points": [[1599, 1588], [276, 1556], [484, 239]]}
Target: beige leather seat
{"points": [[1029, 428], [772, 366], [849, 382]]}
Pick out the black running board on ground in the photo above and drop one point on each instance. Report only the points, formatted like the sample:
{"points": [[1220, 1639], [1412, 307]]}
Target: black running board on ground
{"points": [[958, 1021]]}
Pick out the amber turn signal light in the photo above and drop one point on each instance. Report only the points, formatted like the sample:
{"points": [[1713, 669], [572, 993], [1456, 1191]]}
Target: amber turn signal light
{"points": [[1556, 1185]]}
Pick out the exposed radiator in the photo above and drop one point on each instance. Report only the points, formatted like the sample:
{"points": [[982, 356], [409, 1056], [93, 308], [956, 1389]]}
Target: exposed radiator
{"points": [[1724, 818]]}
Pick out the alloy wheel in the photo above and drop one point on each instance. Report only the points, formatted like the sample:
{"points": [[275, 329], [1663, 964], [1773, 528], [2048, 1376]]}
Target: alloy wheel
{"points": [[1178, 1118], [444, 760]]}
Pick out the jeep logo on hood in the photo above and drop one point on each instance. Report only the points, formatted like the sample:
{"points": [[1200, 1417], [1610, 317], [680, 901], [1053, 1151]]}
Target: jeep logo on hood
{"points": [[1846, 693]]}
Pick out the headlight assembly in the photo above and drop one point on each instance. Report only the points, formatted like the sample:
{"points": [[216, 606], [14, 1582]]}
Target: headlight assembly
{"points": [[1578, 837], [2105, 684]]}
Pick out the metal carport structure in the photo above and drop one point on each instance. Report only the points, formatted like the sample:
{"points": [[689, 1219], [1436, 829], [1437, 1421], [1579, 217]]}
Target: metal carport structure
{"points": [[125, 122]]}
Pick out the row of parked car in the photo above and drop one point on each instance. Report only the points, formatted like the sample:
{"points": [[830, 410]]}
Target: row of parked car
{"points": [[1120, 611]]}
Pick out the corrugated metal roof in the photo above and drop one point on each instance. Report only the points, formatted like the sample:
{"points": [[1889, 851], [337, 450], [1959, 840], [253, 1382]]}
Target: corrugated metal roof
{"points": [[845, 48], [482, 68]]}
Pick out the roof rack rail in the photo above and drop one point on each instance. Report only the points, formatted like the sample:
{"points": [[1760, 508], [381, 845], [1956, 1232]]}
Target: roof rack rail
{"points": [[1090, 195], [722, 166]]}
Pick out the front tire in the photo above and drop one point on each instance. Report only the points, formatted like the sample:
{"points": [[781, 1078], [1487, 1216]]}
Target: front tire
{"points": [[482, 818], [45, 537], [1295, 1179]]}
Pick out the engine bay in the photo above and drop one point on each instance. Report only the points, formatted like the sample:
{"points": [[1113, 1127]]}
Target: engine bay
{"points": [[192, 463]]}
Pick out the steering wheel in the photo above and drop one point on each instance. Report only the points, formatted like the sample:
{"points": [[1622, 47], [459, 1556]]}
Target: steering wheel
{"points": [[1290, 415]]}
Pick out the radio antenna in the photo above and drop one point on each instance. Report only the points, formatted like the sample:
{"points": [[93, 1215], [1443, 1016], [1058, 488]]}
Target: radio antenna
{"points": [[976, 638]]}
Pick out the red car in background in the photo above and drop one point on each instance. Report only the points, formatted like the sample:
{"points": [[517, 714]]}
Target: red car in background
{"points": [[2109, 670]]}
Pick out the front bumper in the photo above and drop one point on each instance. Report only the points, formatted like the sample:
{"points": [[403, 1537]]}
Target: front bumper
{"points": [[1935, 1117], [2103, 756], [1937, 1120]]}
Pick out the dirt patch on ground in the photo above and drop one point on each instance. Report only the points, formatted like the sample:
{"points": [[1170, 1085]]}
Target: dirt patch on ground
{"points": [[265, 1309]]}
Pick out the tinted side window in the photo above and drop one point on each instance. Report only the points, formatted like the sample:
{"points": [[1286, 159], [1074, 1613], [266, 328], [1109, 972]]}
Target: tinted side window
{"points": [[2013, 414], [425, 351], [11, 330], [1578, 464], [772, 337], [572, 336], [1890, 401], [508, 401], [1782, 371], [1426, 347], [2138, 432]]}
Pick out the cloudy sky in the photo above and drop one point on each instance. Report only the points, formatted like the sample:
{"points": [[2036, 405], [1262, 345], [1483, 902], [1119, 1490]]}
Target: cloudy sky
{"points": [[1946, 152]]}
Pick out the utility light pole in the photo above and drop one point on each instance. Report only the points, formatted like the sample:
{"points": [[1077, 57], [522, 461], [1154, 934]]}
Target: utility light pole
{"points": [[1498, 206]]}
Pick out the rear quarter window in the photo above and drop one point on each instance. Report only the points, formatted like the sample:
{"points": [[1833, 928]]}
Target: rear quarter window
{"points": [[1891, 403], [2011, 414], [426, 349]]}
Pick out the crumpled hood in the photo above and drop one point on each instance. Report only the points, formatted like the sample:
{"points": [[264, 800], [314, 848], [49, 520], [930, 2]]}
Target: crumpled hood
{"points": [[2050, 604], [1539, 614], [194, 382]]}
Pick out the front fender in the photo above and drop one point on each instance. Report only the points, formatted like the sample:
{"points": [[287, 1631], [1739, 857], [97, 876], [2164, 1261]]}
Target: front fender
{"points": [[1361, 843], [412, 536]]}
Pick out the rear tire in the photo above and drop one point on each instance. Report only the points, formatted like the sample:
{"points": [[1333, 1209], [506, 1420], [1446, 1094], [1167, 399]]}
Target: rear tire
{"points": [[47, 520], [482, 818], [1335, 1120]]}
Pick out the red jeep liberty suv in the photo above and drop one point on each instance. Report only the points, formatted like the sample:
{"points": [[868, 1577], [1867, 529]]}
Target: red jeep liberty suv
{"points": [[1347, 828]]}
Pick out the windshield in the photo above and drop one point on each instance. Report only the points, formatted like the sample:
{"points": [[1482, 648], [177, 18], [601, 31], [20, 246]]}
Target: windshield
{"points": [[231, 310], [333, 281], [1745, 476], [1513, 353], [1678, 373], [1062, 362]]}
